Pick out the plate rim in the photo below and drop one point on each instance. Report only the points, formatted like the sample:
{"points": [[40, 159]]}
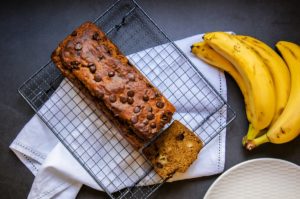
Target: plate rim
{"points": [[245, 163]]}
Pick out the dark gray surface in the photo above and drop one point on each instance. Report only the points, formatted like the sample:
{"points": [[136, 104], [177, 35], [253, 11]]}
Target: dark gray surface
{"points": [[31, 30]]}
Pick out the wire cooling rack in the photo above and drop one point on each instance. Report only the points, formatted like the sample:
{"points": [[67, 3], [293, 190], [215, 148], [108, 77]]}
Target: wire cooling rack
{"points": [[118, 169]]}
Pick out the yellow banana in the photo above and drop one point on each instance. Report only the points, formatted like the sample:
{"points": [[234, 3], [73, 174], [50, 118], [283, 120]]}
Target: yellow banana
{"points": [[279, 73], [277, 68], [287, 126], [258, 81], [203, 51]]}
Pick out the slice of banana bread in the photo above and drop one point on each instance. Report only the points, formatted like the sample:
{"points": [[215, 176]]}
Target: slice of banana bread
{"points": [[174, 151]]}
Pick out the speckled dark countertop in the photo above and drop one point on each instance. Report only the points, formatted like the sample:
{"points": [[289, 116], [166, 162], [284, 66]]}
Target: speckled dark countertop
{"points": [[30, 30]]}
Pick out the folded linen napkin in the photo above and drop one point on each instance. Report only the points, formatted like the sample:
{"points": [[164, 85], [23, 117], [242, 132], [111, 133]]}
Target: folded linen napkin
{"points": [[59, 175]]}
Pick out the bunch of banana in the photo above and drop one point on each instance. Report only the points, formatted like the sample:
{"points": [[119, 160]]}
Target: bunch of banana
{"points": [[261, 74], [260, 92], [287, 126]]}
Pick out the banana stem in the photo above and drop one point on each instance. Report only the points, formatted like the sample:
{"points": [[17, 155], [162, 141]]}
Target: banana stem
{"points": [[251, 144], [252, 133]]}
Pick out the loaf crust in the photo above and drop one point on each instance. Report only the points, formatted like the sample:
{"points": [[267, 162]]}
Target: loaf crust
{"points": [[174, 150], [93, 63]]}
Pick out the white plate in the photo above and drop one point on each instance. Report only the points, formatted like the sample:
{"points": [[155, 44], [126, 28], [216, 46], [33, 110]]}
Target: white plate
{"points": [[259, 178]]}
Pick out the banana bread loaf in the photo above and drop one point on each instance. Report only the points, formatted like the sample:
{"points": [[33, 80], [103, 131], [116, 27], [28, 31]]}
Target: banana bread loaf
{"points": [[174, 150], [92, 62]]}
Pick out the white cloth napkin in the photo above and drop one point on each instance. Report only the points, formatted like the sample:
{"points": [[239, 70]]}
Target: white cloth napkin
{"points": [[59, 175]]}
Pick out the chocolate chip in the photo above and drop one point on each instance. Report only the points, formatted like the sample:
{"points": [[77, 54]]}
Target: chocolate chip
{"points": [[130, 100], [150, 116], [111, 73], [93, 69], [157, 94], [97, 78], [74, 33], [145, 98], [180, 136], [74, 64], [131, 77], [153, 125], [123, 99], [136, 109], [112, 98], [149, 85], [160, 104], [96, 36], [78, 46], [134, 119], [130, 93], [159, 165], [100, 57], [149, 108], [164, 117], [169, 113], [145, 122]]}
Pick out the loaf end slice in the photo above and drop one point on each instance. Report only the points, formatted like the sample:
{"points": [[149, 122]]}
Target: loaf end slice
{"points": [[174, 151]]}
